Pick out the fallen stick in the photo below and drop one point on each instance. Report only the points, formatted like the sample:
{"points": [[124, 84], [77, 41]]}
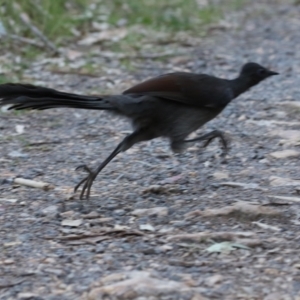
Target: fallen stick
{"points": [[32, 183], [26, 20], [108, 54], [286, 198], [266, 226], [24, 40]]}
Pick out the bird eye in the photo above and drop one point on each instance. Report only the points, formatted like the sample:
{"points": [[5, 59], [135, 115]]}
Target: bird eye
{"points": [[261, 72]]}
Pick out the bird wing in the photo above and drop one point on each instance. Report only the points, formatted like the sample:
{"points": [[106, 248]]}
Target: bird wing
{"points": [[198, 90]]}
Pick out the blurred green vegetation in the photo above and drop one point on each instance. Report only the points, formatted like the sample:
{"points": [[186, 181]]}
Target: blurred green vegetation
{"points": [[62, 21], [171, 15], [55, 18], [3, 79]]}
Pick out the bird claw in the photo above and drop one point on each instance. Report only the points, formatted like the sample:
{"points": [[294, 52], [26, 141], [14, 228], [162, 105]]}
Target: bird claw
{"points": [[223, 142], [85, 168], [87, 182]]}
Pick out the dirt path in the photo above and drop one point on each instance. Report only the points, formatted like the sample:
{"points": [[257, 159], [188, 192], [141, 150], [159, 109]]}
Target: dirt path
{"points": [[147, 230]]}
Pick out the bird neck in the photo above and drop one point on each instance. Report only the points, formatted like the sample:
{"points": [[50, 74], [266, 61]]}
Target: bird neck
{"points": [[240, 85]]}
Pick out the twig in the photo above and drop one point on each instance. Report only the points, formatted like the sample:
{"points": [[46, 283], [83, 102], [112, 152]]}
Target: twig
{"points": [[26, 20], [23, 40], [108, 54], [32, 183], [286, 198], [266, 226], [159, 55], [74, 72], [4, 285]]}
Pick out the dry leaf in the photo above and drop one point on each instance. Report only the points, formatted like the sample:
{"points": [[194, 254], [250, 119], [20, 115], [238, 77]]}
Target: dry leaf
{"points": [[20, 129], [220, 175], [241, 184], [141, 284], [225, 247], [147, 227], [293, 104], [292, 135], [280, 181], [9, 200], [213, 280], [285, 154], [252, 210], [112, 35], [159, 211], [121, 227], [71, 223], [217, 236]]}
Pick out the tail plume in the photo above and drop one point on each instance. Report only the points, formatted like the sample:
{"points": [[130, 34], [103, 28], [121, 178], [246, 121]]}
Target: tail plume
{"points": [[26, 96]]}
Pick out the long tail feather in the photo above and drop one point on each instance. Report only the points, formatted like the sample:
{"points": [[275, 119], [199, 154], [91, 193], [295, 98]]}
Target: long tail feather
{"points": [[26, 96]]}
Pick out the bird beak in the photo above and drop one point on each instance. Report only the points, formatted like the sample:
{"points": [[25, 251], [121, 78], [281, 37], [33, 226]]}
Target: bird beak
{"points": [[271, 73]]}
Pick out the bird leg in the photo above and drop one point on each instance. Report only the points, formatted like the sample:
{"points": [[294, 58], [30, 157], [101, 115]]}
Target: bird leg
{"points": [[128, 142], [209, 137]]}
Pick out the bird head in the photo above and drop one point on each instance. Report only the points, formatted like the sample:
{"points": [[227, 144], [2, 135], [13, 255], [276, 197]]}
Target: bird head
{"points": [[255, 73]]}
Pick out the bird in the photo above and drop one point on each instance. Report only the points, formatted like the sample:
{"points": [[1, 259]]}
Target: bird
{"points": [[171, 105]]}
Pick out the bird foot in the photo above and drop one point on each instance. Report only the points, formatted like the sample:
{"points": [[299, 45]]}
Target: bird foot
{"points": [[87, 181], [224, 144]]}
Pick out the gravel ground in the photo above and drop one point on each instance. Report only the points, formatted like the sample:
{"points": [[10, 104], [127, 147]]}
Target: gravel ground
{"points": [[147, 231]]}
